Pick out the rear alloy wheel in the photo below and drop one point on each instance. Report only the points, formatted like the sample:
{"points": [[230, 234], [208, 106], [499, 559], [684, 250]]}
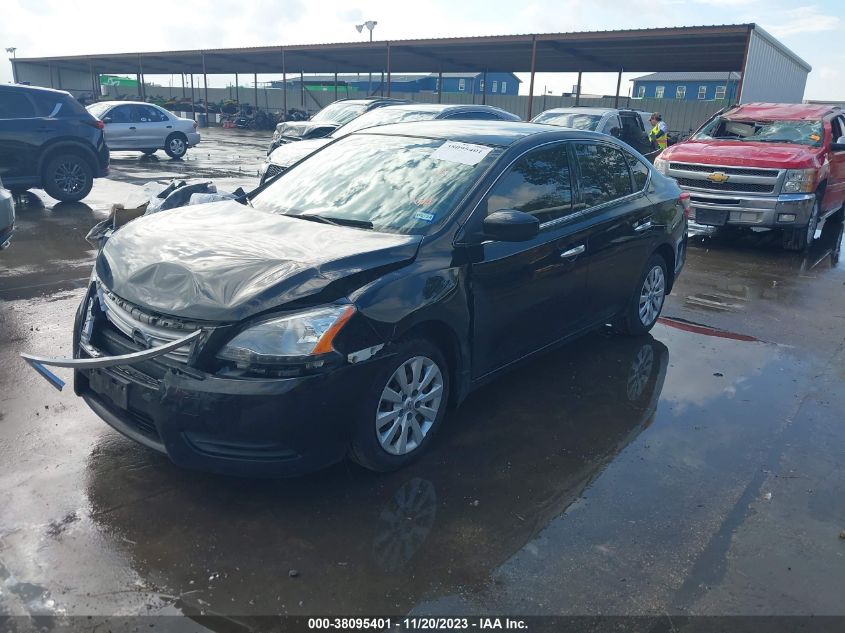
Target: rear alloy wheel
{"points": [[404, 408], [646, 304], [68, 178], [176, 145]]}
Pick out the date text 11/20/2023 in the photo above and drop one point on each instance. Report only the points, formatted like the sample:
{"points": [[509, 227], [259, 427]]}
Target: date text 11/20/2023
{"points": [[417, 624]]}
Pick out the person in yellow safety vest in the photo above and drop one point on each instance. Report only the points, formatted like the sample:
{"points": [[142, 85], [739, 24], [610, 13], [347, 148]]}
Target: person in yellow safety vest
{"points": [[658, 134]]}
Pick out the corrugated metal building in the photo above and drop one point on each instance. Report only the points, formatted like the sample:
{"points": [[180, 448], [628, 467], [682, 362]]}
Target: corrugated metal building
{"points": [[772, 72]]}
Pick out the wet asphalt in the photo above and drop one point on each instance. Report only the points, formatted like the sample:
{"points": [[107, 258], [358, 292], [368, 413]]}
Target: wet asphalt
{"points": [[698, 470]]}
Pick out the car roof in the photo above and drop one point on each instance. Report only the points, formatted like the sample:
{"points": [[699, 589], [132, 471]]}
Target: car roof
{"points": [[783, 111], [112, 103], [370, 100], [36, 89], [579, 110], [499, 133]]}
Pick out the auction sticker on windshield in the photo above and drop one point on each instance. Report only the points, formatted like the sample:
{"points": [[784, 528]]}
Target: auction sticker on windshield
{"points": [[464, 153]]}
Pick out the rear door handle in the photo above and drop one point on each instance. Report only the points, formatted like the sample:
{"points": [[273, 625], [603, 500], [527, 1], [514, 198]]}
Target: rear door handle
{"points": [[132, 127], [642, 226], [572, 252], [169, 126]]}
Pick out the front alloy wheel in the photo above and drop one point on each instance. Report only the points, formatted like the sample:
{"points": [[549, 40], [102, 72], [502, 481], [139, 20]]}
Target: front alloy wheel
{"points": [[409, 405]]}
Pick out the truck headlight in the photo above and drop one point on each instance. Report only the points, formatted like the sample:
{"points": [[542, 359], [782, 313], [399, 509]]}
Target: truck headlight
{"points": [[289, 339], [800, 181], [661, 165]]}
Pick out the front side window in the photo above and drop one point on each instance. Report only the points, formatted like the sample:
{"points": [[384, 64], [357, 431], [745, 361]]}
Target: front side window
{"points": [[702, 92], [539, 183], [720, 92], [15, 105], [462, 85], [394, 184], [796, 131], [604, 173], [680, 92], [641, 92], [658, 92]]}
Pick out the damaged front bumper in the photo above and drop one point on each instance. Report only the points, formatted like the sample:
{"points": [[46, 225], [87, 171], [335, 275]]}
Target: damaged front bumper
{"points": [[248, 426]]}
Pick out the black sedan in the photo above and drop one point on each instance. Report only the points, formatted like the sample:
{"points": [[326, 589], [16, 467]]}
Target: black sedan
{"points": [[368, 289]]}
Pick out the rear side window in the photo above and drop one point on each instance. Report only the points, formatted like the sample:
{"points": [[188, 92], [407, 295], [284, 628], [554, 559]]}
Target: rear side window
{"points": [[48, 104], [604, 173], [639, 171], [146, 114], [539, 183], [15, 105], [476, 115]]}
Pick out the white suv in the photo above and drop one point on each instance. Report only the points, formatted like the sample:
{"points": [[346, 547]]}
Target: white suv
{"points": [[133, 125]]}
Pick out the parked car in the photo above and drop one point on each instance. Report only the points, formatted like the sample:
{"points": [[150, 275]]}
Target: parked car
{"points": [[764, 165], [327, 120], [144, 127], [7, 216], [627, 125], [371, 286], [282, 158], [47, 139]]}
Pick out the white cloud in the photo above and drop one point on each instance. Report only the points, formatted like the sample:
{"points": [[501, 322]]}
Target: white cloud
{"points": [[808, 19]]}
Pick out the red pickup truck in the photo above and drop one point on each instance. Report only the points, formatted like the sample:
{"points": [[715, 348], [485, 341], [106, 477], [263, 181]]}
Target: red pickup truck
{"points": [[764, 165]]}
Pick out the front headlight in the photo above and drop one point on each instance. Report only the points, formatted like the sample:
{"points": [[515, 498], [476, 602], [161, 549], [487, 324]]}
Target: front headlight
{"points": [[661, 165], [289, 339], [800, 181]]}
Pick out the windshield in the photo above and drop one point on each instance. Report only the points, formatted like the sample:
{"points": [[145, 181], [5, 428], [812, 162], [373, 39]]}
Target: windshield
{"points": [[398, 184], [339, 112], [798, 132], [384, 116], [578, 121], [97, 109]]}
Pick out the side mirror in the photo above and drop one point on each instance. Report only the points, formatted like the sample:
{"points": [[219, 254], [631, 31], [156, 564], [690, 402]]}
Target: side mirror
{"points": [[107, 119], [510, 225]]}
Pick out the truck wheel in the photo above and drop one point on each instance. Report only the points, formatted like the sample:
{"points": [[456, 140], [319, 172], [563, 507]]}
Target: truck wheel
{"points": [[67, 177], [839, 216], [801, 239]]}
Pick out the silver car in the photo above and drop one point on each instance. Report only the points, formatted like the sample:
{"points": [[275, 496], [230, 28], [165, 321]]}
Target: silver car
{"points": [[7, 216], [133, 125]]}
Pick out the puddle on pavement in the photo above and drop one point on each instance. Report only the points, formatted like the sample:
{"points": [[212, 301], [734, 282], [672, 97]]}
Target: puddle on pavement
{"points": [[611, 457]]}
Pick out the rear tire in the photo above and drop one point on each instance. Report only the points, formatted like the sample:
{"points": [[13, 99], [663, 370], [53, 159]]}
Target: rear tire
{"points": [[403, 409], [176, 145], [67, 177], [647, 301]]}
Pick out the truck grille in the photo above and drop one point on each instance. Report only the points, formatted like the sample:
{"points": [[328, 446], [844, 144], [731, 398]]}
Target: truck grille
{"points": [[144, 329], [734, 171], [747, 187]]}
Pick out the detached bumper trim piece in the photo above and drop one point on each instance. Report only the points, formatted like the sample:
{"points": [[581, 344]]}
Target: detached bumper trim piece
{"points": [[101, 362]]}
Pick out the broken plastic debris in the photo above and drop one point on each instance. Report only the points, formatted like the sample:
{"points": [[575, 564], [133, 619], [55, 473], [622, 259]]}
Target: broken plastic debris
{"points": [[767, 496]]}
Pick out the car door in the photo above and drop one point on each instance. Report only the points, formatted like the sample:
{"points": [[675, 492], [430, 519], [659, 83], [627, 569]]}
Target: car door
{"points": [[633, 132], [612, 187], [22, 132], [120, 130], [153, 126], [526, 295], [835, 193]]}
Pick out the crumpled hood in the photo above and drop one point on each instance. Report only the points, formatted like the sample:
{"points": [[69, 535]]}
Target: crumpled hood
{"points": [[224, 261], [306, 129], [744, 154], [287, 155]]}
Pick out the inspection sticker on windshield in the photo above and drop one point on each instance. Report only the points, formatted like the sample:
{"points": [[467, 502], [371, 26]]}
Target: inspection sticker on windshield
{"points": [[425, 217], [464, 153]]}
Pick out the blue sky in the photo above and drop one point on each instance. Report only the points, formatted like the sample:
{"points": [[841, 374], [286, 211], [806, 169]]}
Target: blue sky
{"points": [[41, 27]]}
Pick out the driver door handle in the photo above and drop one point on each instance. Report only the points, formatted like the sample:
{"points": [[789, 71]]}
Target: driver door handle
{"points": [[572, 252], [645, 225]]}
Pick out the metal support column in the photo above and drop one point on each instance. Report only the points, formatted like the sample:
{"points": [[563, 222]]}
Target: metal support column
{"points": [[484, 88], [302, 89], [578, 90], [382, 83], [50, 68], [440, 86], [335, 85], [193, 100], [531, 83], [284, 89], [618, 86], [142, 91], [255, 89], [388, 69], [205, 88], [237, 92], [183, 85]]}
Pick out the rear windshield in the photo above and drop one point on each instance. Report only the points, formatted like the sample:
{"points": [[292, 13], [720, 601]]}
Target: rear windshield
{"points": [[577, 121], [399, 184], [384, 116], [98, 109], [339, 112], [796, 132]]}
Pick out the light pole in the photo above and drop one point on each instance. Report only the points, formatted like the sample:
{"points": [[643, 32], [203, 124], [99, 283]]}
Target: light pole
{"points": [[12, 50], [370, 24]]}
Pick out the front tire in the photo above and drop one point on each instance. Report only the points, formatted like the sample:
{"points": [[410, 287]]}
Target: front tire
{"points": [[801, 239], [647, 302], [176, 145], [68, 178], [403, 409]]}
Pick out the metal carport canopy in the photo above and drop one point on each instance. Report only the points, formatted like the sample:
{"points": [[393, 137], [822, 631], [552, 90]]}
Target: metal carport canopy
{"points": [[694, 48]]}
